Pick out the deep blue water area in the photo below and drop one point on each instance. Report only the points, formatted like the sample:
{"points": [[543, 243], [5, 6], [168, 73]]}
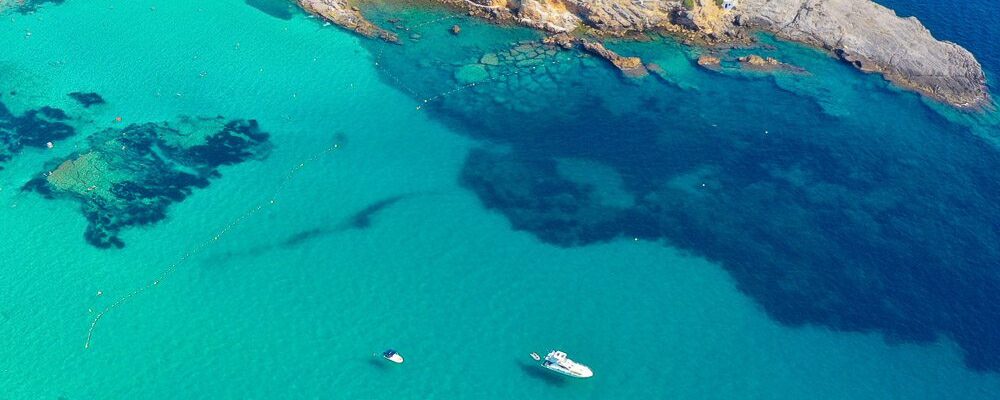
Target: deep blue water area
{"points": [[831, 197], [813, 232], [972, 24]]}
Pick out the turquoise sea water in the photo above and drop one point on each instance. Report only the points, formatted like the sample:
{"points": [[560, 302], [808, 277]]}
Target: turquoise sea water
{"points": [[697, 235]]}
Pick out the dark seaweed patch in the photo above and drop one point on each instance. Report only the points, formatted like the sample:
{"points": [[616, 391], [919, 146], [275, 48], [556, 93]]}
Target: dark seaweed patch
{"points": [[30, 6], [535, 198], [363, 219], [35, 128], [40, 186], [236, 142], [87, 99], [882, 221], [359, 220], [302, 237], [130, 177], [838, 249]]}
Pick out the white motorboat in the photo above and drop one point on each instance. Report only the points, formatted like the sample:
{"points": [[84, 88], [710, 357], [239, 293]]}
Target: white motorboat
{"points": [[393, 356], [558, 362]]}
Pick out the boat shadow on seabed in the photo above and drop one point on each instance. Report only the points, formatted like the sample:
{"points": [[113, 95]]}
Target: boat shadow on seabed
{"points": [[534, 371], [378, 364]]}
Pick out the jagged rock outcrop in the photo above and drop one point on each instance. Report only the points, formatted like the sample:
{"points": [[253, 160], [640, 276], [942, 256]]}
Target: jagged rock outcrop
{"points": [[550, 15], [630, 66], [759, 61], [342, 13], [709, 61], [872, 38], [766, 64], [867, 35]]}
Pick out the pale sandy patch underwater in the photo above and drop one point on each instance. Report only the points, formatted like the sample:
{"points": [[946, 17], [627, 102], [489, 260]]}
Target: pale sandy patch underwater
{"points": [[435, 275]]}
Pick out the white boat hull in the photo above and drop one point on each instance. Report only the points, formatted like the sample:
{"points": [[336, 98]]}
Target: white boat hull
{"points": [[558, 361], [393, 356], [581, 371]]}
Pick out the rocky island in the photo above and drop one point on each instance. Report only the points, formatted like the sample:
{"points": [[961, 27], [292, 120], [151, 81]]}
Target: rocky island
{"points": [[869, 36]]}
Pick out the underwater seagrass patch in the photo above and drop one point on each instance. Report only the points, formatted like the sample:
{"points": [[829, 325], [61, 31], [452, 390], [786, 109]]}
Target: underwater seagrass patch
{"points": [[35, 128], [130, 176], [87, 99], [26, 6]]}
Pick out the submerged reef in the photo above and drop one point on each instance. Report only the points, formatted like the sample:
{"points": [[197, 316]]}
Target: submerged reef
{"points": [[812, 239], [880, 220], [35, 128], [809, 249], [87, 99], [130, 176], [26, 6]]}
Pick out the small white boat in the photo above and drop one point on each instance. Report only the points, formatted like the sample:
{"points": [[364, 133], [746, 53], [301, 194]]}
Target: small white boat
{"points": [[558, 362], [393, 356]]}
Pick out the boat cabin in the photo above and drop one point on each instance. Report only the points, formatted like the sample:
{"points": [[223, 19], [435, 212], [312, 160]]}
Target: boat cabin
{"points": [[558, 358]]}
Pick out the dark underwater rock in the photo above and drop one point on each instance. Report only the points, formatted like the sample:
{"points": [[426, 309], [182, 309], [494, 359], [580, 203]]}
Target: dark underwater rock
{"points": [[87, 99], [30, 6], [828, 256], [35, 128], [130, 176], [536, 199], [363, 219]]}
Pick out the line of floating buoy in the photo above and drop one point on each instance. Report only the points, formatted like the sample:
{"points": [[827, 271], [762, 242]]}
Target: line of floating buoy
{"points": [[170, 269]]}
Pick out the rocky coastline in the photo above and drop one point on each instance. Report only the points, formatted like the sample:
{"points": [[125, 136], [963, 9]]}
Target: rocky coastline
{"points": [[868, 36]]}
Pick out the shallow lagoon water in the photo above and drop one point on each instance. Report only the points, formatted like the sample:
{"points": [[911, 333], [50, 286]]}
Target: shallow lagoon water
{"points": [[292, 302]]}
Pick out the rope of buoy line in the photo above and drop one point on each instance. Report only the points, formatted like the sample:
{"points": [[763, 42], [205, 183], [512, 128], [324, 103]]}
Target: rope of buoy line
{"points": [[170, 269]]}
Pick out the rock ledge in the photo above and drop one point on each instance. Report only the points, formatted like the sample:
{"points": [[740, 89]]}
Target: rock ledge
{"points": [[869, 36]]}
